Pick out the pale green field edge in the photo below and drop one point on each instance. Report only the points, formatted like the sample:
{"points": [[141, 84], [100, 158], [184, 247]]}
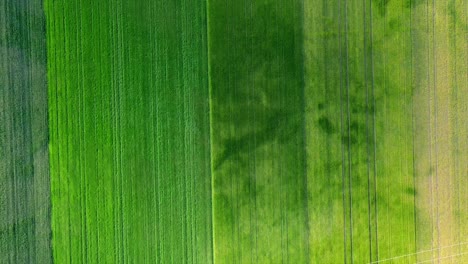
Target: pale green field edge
{"points": [[441, 72], [129, 122], [390, 135], [24, 167]]}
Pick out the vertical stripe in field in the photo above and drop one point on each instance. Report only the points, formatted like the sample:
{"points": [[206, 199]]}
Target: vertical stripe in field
{"points": [[440, 76], [421, 123], [359, 128], [325, 87], [396, 193], [257, 119], [130, 146], [460, 119], [24, 162]]}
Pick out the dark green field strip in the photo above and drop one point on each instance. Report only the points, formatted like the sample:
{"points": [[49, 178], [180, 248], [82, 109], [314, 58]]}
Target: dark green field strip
{"points": [[257, 119], [24, 166], [359, 130], [130, 160]]}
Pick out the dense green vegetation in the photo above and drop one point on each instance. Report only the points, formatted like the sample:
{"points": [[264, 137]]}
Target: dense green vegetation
{"points": [[256, 70], [235, 131], [128, 104], [383, 107], [366, 162], [360, 160], [24, 167]]}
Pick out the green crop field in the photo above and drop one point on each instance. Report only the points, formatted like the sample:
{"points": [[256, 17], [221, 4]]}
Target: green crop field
{"points": [[386, 95], [128, 105], [24, 166], [233, 131], [257, 118], [329, 96], [359, 94]]}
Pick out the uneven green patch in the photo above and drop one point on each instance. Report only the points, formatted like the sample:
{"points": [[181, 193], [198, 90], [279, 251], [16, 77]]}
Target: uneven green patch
{"points": [[382, 169], [260, 204], [359, 94], [24, 168], [130, 163], [338, 132]]}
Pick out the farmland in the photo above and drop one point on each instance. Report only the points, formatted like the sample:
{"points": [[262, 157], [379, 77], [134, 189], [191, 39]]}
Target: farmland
{"points": [[360, 158], [233, 131], [383, 87], [441, 55], [24, 167], [128, 104], [256, 70], [372, 128]]}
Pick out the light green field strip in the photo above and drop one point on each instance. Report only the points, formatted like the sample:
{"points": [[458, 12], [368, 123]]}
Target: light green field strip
{"points": [[386, 105], [24, 166], [257, 119], [396, 190], [359, 130], [441, 104], [326, 107], [129, 141]]}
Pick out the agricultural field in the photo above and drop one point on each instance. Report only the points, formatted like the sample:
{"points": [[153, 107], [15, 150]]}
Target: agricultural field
{"points": [[24, 166], [129, 132], [386, 99], [441, 105], [374, 128], [234, 131], [260, 211], [359, 118]]}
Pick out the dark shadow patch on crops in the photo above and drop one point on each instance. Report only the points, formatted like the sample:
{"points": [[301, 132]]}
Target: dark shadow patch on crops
{"points": [[325, 124], [382, 5], [256, 80], [348, 139], [410, 191], [355, 135], [358, 108], [262, 40], [278, 126]]}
